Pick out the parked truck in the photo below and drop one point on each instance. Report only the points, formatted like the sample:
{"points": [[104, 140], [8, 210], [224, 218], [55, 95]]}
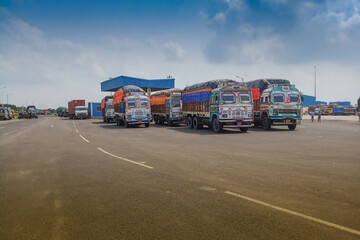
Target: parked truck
{"points": [[276, 103], [107, 109], [218, 104], [77, 110], [31, 110], [131, 107], [166, 106]]}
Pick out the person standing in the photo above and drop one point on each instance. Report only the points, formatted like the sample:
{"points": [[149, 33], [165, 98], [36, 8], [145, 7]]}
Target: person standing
{"points": [[312, 116], [319, 117]]}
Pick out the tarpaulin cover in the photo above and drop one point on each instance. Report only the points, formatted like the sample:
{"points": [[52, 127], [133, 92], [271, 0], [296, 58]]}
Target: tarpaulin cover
{"points": [[255, 93], [206, 85], [158, 100], [121, 93], [167, 92], [197, 96], [262, 84]]}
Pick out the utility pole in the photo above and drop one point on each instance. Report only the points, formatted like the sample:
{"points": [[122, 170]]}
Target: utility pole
{"points": [[7, 98], [315, 81], [240, 78]]}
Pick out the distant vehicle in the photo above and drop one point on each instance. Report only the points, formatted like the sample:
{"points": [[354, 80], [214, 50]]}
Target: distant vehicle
{"points": [[9, 110], [166, 106], [4, 115], [23, 114], [31, 110], [276, 102], [350, 110], [131, 107], [317, 111], [77, 109], [107, 109], [218, 104], [358, 108]]}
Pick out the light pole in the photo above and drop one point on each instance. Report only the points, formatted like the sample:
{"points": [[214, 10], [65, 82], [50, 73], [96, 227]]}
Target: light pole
{"points": [[315, 82], [7, 98], [240, 78]]}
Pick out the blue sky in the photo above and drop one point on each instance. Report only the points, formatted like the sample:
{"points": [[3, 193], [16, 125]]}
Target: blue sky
{"points": [[62, 50]]}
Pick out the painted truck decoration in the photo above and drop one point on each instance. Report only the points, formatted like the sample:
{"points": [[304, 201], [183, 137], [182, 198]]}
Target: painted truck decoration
{"points": [[276, 102], [218, 104], [131, 107], [107, 109], [166, 106]]}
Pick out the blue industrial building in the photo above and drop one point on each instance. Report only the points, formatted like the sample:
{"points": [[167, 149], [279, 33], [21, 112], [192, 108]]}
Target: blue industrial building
{"points": [[94, 110], [343, 104], [321, 103], [308, 101], [147, 85]]}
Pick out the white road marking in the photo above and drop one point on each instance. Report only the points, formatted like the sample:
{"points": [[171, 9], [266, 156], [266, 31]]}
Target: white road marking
{"points": [[353, 231], [140, 164], [8, 133], [51, 125], [77, 130], [84, 138]]}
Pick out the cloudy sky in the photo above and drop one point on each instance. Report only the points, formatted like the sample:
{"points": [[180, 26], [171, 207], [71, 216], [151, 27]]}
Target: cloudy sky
{"points": [[55, 51]]}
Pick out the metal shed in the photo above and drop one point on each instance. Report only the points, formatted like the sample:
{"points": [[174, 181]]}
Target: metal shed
{"points": [[94, 110], [149, 85]]}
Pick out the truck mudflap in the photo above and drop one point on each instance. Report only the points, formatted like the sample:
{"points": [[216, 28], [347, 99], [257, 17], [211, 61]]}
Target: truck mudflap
{"points": [[237, 123]]}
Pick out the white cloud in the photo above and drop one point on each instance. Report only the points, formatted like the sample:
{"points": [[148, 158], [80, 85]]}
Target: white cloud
{"points": [[174, 51], [220, 18]]}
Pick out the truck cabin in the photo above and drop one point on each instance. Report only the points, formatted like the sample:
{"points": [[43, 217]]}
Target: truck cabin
{"points": [[278, 96], [234, 94], [136, 101], [174, 101]]}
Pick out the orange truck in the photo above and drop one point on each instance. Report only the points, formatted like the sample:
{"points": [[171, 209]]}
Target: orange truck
{"points": [[131, 107], [166, 106]]}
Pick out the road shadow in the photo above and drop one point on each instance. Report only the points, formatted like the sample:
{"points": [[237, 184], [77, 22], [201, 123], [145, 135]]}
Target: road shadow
{"points": [[272, 129], [203, 131]]}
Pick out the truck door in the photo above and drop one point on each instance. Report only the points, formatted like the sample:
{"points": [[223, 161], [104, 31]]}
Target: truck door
{"points": [[214, 105]]}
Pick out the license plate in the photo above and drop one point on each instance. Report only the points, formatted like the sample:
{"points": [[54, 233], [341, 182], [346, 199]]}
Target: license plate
{"points": [[288, 121], [139, 121]]}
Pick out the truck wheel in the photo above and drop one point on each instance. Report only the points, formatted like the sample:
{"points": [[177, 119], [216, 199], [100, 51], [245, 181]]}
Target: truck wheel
{"points": [[104, 119], [190, 122], [117, 120], [126, 125], [292, 127], [217, 127], [156, 119], [244, 129], [196, 123], [147, 124], [170, 123], [265, 123]]}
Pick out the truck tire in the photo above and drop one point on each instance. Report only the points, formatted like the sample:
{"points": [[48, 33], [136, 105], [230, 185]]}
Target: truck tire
{"points": [[104, 119], [189, 122], [117, 120], [244, 129], [170, 123], [147, 125], [216, 125], [196, 123], [126, 125], [156, 119], [292, 127], [265, 122]]}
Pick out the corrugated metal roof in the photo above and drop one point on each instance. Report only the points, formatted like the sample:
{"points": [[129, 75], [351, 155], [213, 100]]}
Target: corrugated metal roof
{"points": [[114, 84]]}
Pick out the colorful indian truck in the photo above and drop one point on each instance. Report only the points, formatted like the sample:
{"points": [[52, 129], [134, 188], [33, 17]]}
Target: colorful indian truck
{"points": [[31, 110], [131, 107], [276, 103], [107, 109], [218, 104], [166, 106]]}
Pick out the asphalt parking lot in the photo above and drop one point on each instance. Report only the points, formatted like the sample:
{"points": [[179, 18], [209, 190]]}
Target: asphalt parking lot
{"points": [[66, 179]]}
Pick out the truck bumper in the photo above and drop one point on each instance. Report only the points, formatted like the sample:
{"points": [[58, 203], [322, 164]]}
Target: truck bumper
{"points": [[176, 119], [237, 123], [285, 120], [138, 122]]}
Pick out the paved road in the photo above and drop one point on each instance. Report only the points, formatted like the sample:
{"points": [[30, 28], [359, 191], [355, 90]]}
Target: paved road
{"points": [[177, 183]]}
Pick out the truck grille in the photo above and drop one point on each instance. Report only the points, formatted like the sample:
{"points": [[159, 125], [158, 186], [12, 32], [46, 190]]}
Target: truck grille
{"points": [[138, 113]]}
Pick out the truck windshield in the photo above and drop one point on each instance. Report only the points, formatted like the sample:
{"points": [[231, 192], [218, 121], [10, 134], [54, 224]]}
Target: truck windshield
{"points": [[144, 103], [278, 97], [294, 98], [81, 109], [245, 98], [131, 104], [175, 103], [228, 98]]}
